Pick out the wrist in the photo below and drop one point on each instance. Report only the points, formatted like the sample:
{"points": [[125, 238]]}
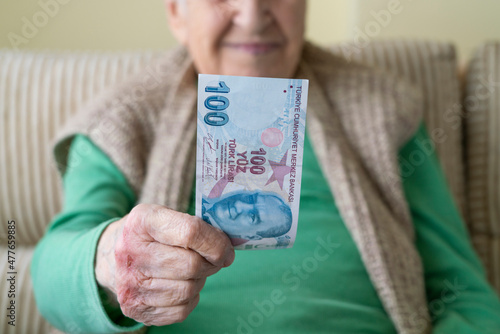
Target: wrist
{"points": [[105, 266]]}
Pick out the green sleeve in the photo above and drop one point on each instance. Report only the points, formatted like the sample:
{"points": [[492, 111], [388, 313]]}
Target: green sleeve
{"points": [[62, 270], [459, 297]]}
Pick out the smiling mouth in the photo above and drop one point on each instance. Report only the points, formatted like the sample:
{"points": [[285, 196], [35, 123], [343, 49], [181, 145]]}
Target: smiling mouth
{"points": [[254, 48]]}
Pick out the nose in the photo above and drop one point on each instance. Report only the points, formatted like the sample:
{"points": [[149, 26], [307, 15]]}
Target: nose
{"points": [[252, 15]]}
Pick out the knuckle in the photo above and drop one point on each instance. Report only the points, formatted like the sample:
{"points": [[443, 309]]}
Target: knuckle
{"points": [[127, 298], [143, 212], [125, 254], [122, 253], [131, 284], [129, 312], [130, 297], [178, 300], [137, 310], [137, 213], [120, 249], [144, 282], [182, 314], [193, 265], [189, 233], [186, 291], [221, 252], [143, 219]]}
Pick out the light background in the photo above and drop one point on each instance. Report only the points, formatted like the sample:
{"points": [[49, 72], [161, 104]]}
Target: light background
{"points": [[136, 24]]}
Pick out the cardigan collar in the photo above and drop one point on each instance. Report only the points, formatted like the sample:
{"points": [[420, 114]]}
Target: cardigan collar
{"points": [[372, 206]]}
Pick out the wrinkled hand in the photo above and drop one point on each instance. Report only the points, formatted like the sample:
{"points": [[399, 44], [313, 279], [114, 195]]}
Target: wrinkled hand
{"points": [[155, 261]]}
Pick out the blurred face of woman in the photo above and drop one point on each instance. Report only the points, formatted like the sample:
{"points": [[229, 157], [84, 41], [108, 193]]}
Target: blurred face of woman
{"points": [[241, 37]]}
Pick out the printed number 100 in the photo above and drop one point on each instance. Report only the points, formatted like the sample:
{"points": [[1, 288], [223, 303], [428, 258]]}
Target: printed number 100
{"points": [[217, 104]]}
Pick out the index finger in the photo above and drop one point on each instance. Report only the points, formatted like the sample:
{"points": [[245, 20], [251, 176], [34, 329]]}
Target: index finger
{"points": [[182, 230]]}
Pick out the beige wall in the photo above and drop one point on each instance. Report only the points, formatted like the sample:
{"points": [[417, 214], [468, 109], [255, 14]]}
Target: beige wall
{"points": [[135, 24], [467, 23], [87, 24], [128, 24]]}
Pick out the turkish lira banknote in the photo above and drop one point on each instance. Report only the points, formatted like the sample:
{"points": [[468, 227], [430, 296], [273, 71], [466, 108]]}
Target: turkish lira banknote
{"points": [[249, 157]]}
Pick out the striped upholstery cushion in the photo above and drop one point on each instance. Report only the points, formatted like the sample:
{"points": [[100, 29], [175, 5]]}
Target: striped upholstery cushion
{"points": [[38, 92], [28, 319], [482, 103], [432, 67]]}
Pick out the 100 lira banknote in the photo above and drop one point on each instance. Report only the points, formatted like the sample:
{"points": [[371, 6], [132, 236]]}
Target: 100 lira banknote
{"points": [[249, 157]]}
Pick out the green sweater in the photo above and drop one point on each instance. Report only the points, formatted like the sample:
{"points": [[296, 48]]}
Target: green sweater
{"points": [[319, 286]]}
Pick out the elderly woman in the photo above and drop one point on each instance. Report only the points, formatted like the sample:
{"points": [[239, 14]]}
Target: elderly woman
{"points": [[373, 254]]}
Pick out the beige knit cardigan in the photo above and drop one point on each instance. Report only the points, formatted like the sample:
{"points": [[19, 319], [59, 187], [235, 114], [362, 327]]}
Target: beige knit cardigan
{"points": [[358, 118]]}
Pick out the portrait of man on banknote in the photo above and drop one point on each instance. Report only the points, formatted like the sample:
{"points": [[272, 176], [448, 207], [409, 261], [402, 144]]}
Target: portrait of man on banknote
{"points": [[249, 215]]}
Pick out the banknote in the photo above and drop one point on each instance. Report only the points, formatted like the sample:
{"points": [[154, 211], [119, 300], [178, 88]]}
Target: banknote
{"points": [[250, 143]]}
